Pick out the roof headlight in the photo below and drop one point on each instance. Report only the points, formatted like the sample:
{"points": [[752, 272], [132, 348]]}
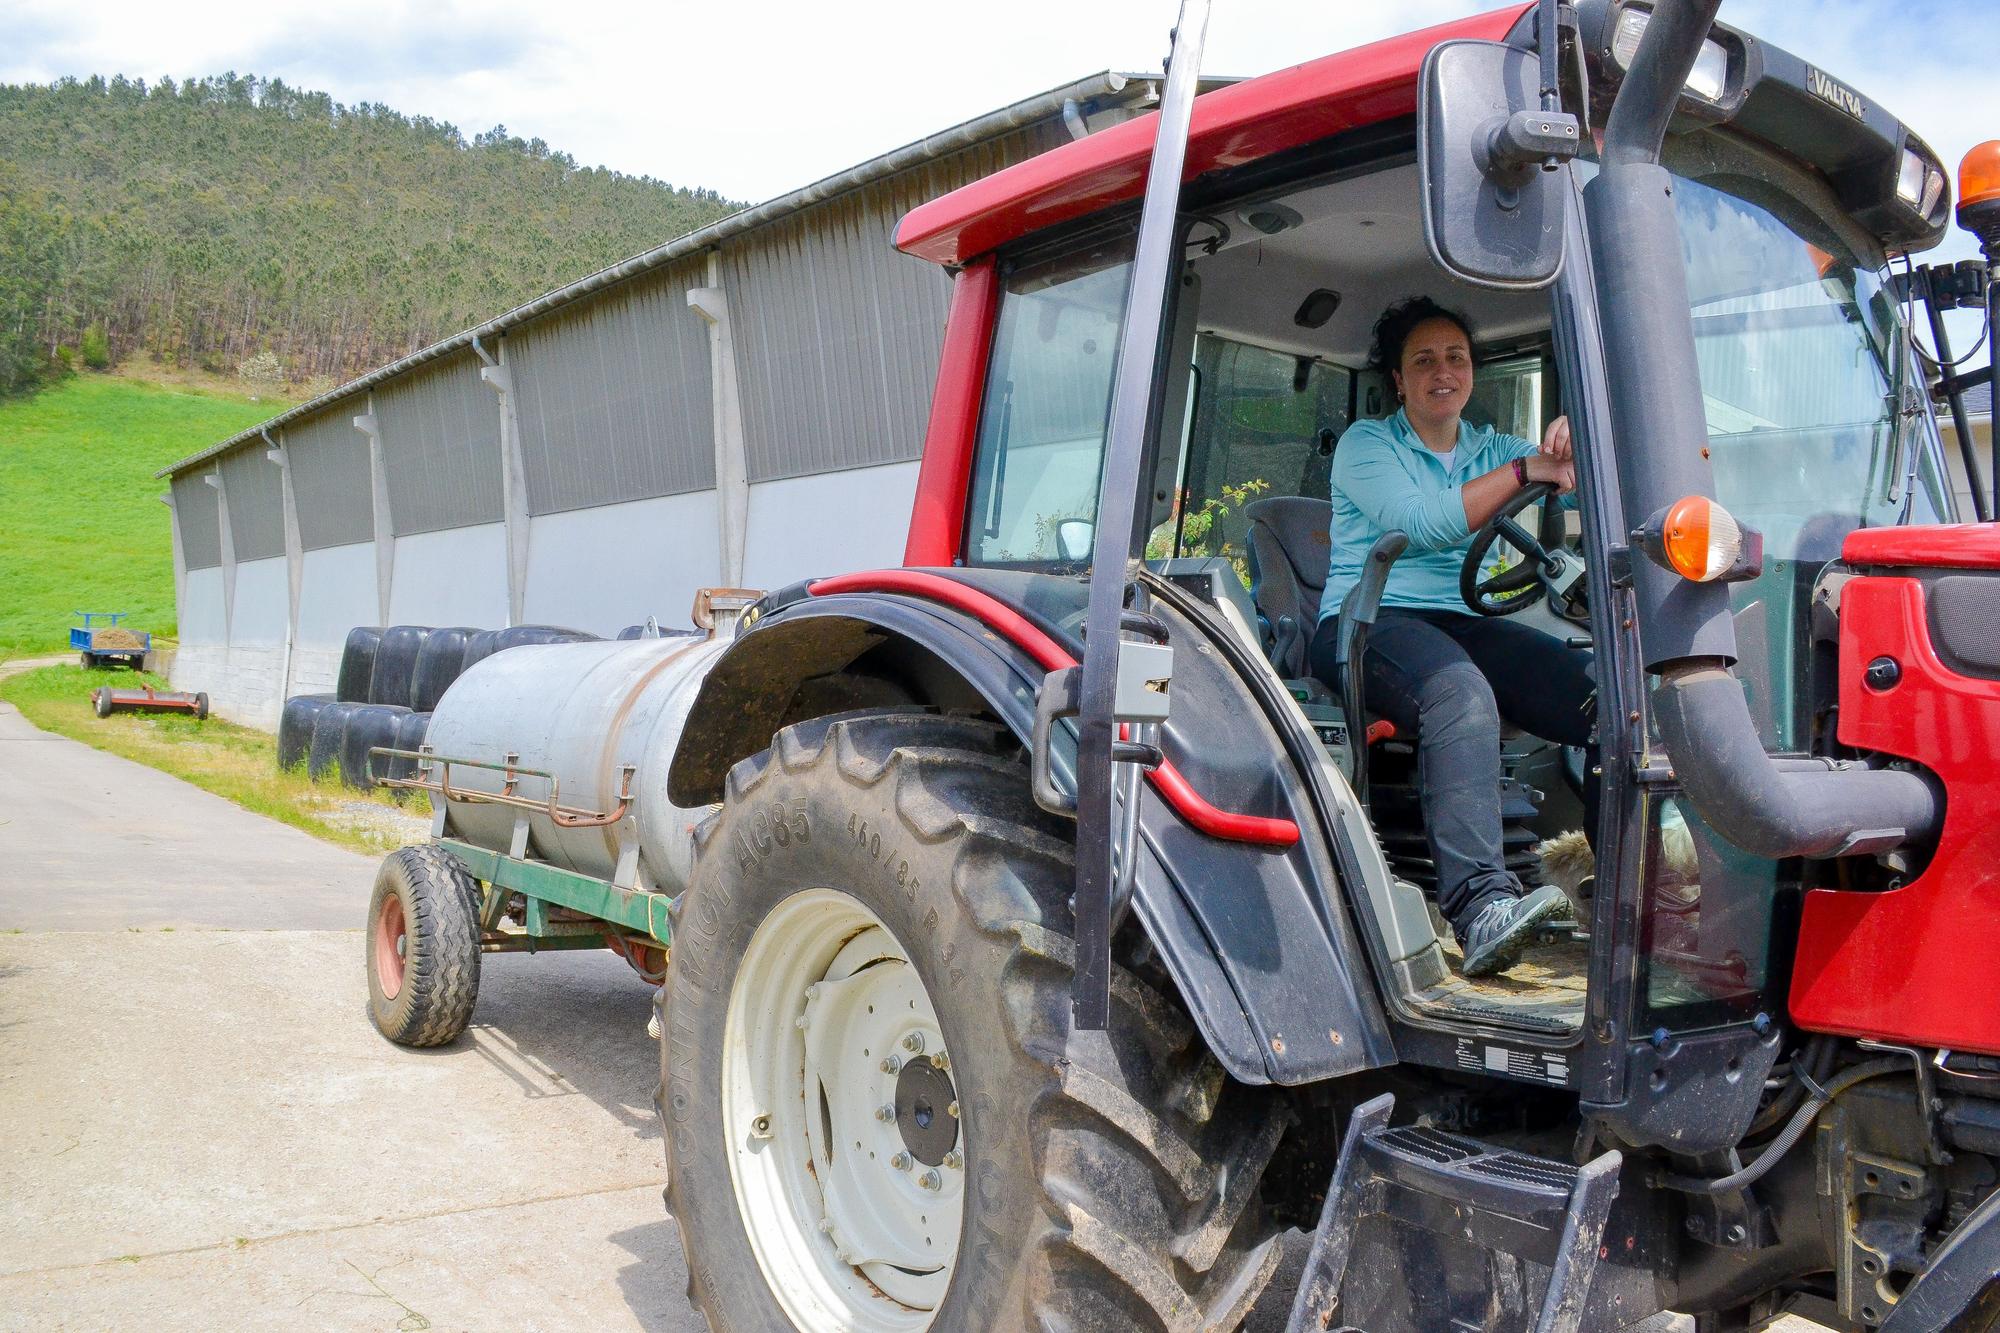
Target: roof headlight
{"points": [[1919, 184], [1708, 80]]}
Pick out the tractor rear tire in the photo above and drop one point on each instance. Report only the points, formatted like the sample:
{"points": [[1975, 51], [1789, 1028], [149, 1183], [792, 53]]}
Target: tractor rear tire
{"points": [[1106, 1180], [423, 947]]}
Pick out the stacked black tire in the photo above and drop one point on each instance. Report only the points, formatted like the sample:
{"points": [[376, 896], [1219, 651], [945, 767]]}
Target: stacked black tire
{"points": [[390, 679]]}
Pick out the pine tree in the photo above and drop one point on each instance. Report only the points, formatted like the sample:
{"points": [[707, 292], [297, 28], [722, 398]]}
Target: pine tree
{"points": [[201, 221]]}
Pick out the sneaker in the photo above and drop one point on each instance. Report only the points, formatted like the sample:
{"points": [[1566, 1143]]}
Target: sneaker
{"points": [[1494, 940]]}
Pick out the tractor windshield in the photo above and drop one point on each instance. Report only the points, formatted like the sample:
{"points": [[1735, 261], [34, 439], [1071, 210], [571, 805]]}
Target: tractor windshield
{"points": [[1803, 372]]}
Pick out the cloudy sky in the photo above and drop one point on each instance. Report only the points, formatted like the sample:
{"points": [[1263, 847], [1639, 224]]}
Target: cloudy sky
{"points": [[757, 97]]}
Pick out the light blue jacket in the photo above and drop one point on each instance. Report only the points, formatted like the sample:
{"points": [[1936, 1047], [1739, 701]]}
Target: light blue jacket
{"points": [[1385, 477]]}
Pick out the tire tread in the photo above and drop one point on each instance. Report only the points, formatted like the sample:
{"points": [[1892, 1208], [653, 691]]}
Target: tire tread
{"points": [[1148, 1160], [441, 974]]}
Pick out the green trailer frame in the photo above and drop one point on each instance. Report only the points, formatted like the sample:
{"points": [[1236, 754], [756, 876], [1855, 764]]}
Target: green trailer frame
{"points": [[638, 912], [616, 912]]}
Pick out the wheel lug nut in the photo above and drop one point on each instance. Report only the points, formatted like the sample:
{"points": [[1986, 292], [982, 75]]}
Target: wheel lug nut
{"points": [[931, 1180], [914, 1043], [890, 1064], [901, 1161], [952, 1110], [941, 1060], [955, 1160], [885, 1113], [812, 991]]}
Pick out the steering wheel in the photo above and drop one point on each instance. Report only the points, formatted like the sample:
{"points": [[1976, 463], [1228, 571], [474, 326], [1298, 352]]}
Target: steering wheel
{"points": [[1538, 574]]}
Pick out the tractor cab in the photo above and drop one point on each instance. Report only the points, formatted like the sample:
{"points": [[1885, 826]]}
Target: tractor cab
{"points": [[1816, 426]]}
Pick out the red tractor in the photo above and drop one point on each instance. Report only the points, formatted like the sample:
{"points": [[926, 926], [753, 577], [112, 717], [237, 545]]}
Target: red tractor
{"points": [[1056, 941]]}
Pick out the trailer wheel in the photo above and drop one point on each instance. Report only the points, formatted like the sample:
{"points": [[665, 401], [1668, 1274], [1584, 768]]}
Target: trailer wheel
{"points": [[877, 1116], [89, 660], [423, 947], [100, 700], [201, 707]]}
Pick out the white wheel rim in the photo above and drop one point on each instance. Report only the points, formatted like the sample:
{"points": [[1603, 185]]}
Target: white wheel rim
{"points": [[828, 1128]]}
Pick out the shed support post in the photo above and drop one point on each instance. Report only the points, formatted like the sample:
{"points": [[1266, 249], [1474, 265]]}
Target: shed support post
{"points": [[385, 526], [732, 486], [499, 377], [294, 561], [180, 554], [228, 543]]}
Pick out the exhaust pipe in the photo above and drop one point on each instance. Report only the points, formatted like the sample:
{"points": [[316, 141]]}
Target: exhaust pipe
{"points": [[1814, 808], [1686, 634]]}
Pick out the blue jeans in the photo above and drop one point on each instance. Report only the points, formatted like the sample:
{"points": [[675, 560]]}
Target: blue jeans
{"points": [[1447, 678]]}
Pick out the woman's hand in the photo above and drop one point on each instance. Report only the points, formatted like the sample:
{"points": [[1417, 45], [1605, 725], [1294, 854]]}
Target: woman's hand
{"points": [[1546, 466], [1555, 440]]}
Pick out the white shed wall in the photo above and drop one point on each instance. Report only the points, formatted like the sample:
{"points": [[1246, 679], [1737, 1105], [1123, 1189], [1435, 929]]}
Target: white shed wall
{"points": [[830, 523], [336, 593], [455, 576], [202, 658], [241, 672], [202, 623], [607, 567]]}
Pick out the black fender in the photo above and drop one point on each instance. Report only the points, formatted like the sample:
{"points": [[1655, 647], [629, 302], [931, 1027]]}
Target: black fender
{"points": [[1257, 939]]}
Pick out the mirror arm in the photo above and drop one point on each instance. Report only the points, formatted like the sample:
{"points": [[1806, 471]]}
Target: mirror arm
{"points": [[1511, 149]]}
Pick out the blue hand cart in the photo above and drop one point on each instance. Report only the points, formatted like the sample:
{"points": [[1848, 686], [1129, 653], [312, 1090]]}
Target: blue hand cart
{"points": [[103, 641]]}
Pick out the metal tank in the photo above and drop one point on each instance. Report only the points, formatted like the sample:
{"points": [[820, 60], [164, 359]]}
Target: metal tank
{"points": [[581, 713]]}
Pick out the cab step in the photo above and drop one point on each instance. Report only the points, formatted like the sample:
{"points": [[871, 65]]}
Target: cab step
{"points": [[1461, 1234]]}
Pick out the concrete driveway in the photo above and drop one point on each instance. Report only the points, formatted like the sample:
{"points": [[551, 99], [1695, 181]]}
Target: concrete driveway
{"points": [[200, 1129]]}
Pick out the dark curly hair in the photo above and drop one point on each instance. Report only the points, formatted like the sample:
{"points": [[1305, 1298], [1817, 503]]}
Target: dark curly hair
{"points": [[1393, 329]]}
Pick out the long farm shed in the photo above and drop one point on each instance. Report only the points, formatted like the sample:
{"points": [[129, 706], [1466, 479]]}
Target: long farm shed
{"points": [[742, 406]]}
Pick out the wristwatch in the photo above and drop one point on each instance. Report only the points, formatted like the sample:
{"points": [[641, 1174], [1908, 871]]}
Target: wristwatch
{"points": [[1520, 472]]}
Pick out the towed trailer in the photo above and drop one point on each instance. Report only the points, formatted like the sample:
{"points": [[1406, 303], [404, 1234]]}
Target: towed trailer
{"points": [[1038, 940], [520, 863]]}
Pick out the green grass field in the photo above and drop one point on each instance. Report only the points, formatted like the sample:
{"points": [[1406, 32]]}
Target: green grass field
{"points": [[81, 523]]}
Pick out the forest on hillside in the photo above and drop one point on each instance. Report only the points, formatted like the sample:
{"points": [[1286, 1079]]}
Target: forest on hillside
{"points": [[209, 222]]}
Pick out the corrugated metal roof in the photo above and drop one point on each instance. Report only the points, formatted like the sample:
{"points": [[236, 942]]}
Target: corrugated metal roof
{"points": [[197, 513], [441, 448], [331, 481], [1094, 92], [838, 373], [613, 397], [254, 488]]}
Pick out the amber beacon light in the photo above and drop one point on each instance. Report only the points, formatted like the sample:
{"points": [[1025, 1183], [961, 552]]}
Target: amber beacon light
{"points": [[1701, 541], [1979, 194]]}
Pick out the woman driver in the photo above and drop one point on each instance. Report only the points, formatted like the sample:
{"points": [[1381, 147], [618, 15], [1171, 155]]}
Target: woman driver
{"points": [[1433, 667]]}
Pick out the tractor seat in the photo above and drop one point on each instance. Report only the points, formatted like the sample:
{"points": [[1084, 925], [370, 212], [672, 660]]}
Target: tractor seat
{"points": [[1290, 550]]}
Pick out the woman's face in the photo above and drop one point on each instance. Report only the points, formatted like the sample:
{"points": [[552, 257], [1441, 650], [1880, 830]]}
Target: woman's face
{"points": [[1436, 375]]}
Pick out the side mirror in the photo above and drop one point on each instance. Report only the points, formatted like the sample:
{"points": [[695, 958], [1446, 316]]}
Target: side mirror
{"points": [[1075, 538], [1493, 213]]}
